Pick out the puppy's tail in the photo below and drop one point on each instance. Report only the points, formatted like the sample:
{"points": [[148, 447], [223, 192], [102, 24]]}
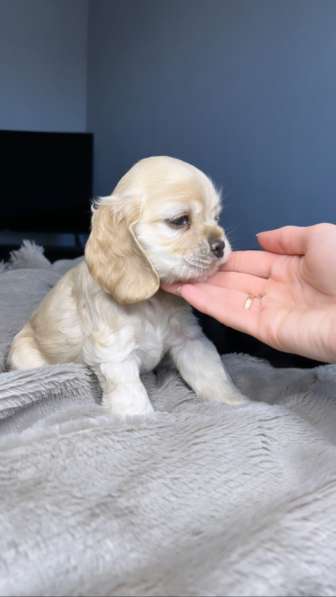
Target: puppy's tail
{"points": [[24, 352]]}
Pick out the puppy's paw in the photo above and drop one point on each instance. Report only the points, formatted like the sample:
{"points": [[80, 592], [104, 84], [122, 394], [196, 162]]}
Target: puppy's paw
{"points": [[234, 397], [123, 403], [226, 393]]}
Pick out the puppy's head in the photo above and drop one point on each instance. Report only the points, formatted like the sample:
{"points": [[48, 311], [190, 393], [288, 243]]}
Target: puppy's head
{"points": [[159, 224]]}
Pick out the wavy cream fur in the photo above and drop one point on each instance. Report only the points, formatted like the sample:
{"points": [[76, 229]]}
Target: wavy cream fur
{"points": [[109, 312]]}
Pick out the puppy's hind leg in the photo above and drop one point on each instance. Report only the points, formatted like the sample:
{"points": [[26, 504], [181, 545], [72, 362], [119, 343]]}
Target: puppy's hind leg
{"points": [[24, 352]]}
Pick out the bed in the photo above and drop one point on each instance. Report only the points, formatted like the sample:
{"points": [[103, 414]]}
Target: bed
{"points": [[199, 499]]}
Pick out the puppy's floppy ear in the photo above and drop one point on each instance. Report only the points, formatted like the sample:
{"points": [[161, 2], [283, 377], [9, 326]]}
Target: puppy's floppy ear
{"points": [[115, 258]]}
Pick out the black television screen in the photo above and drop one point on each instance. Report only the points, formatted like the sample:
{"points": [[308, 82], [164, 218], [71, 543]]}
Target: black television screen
{"points": [[45, 181]]}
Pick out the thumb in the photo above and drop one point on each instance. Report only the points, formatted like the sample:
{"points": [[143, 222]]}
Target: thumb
{"points": [[289, 240]]}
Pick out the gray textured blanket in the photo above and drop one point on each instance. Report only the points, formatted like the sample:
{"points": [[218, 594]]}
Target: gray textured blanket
{"points": [[200, 499]]}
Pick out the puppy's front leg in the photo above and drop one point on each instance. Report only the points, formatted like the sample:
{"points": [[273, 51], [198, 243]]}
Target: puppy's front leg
{"points": [[201, 367], [123, 391]]}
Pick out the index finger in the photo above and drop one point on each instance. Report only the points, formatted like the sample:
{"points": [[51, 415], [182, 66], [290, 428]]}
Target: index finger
{"points": [[288, 240], [257, 263]]}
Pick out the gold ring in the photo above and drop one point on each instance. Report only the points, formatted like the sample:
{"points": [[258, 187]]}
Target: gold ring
{"points": [[248, 302]]}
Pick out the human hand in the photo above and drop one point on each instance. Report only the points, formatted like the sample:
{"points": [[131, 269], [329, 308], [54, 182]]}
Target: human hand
{"points": [[285, 295]]}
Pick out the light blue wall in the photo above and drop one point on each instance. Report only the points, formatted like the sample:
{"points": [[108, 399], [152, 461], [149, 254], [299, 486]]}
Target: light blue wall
{"points": [[43, 59], [245, 89]]}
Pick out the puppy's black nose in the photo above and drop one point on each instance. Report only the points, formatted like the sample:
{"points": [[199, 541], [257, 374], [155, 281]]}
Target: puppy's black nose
{"points": [[217, 247]]}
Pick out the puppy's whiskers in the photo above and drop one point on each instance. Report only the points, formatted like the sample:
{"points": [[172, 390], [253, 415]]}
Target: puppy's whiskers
{"points": [[194, 261]]}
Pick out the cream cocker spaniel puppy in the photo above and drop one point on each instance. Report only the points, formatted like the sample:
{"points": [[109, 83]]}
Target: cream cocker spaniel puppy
{"points": [[159, 225]]}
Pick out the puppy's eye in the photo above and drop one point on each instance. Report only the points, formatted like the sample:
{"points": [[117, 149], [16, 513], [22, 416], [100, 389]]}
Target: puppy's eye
{"points": [[180, 222]]}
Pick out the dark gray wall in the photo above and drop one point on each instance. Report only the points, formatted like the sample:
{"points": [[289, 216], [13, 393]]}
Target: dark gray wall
{"points": [[244, 89], [43, 60]]}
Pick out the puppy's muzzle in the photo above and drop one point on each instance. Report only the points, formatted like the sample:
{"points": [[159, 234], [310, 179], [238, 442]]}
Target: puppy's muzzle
{"points": [[217, 247]]}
